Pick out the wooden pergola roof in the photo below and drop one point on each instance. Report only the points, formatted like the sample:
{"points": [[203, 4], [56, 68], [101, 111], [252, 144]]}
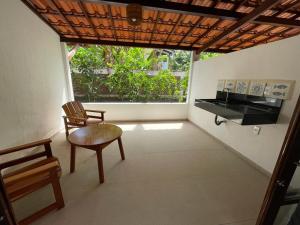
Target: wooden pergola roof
{"points": [[203, 25]]}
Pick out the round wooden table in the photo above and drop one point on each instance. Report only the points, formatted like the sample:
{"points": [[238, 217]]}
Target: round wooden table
{"points": [[95, 137]]}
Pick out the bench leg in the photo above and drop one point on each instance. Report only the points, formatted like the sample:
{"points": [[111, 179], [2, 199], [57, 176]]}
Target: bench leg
{"points": [[121, 148], [72, 159], [100, 166], [58, 204], [58, 193]]}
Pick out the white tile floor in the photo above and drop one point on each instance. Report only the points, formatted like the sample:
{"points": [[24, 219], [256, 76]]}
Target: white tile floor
{"points": [[174, 174]]}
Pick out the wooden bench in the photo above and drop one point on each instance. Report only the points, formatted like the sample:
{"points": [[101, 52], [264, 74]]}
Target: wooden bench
{"points": [[76, 116], [32, 177]]}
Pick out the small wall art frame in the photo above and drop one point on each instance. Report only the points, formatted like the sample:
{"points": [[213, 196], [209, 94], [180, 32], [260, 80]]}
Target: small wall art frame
{"points": [[242, 86], [279, 89], [230, 85]]}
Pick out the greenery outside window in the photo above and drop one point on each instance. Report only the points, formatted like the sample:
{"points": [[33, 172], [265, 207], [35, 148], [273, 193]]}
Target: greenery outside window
{"points": [[129, 74]]}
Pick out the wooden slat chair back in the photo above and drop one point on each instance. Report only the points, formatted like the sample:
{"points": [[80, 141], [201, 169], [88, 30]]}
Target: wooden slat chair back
{"points": [[76, 116], [74, 110], [32, 177]]}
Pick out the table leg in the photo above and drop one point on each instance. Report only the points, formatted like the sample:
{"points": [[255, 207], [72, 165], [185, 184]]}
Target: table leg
{"points": [[72, 160], [121, 148], [100, 166]]}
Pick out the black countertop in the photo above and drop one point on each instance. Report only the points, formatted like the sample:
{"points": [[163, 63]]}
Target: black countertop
{"points": [[266, 111]]}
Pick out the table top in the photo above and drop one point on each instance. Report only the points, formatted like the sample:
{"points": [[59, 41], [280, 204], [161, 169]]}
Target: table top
{"points": [[93, 135]]}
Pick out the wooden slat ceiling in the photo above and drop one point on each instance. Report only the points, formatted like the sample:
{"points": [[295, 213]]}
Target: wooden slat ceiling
{"points": [[203, 25]]}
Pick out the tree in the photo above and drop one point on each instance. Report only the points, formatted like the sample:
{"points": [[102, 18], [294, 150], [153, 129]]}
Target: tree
{"points": [[86, 61], [208, 55], [164, 83], [184, 84], [140, 87], [128, 78], [180, 61]]}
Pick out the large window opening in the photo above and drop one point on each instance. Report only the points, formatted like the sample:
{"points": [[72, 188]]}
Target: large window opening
{"points": [[129, 74]]}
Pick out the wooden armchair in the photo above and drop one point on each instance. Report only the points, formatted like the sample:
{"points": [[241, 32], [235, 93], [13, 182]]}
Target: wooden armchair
{"points": [[76, 116], [32, 177]]}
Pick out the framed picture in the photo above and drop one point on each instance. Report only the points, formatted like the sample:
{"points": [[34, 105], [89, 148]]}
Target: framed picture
{"points": [[230, 85], [257, 87], [280, 89], [242, 86]]}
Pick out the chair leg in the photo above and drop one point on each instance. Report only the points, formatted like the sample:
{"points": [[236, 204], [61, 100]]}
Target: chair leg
{"points": [[121, 148], [66, 127], [67, 132], [58, 193]]}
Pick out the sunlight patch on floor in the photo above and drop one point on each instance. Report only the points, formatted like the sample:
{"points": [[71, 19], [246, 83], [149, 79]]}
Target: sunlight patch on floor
{"points": [[163, 126], [127, 127]]}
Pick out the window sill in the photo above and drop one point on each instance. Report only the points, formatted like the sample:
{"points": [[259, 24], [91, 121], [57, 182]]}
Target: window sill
{"points": [[135, 103]]}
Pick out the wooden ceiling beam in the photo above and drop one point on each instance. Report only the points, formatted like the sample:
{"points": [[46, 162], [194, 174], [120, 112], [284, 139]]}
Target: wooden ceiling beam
{"points": [[190, 31], [253, 4], [272, 36], [252, 37], [174, 27], [84, 10], [112, 22], [268, 4], [289, 7], [148, 32], [288, 22], [238, 35], [214, 4], [154, 26], [135, 44], [216, 24], [56, 7], [294, 4], [188, 9], [239, 4]]}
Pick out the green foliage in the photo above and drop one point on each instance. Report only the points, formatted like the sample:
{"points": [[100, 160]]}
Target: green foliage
{"points": [[139, 87], [184, 84], [118, 82], [164, 83], [89, 84], [208, 55], [129, 80], [180, 61], [87, 60]]}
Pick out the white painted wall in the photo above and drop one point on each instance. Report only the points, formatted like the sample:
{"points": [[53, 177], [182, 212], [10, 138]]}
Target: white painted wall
{"points": [[279, 60], [32, 77], [141, 111]]}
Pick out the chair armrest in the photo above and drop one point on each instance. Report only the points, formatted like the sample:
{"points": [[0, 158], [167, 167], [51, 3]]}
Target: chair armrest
{"points": [[46, 153], [95, 117], [75, 118], [26, 146], [96, 111]]}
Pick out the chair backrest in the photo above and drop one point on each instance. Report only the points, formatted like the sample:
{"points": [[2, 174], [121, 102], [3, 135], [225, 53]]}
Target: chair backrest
{"points": [[74, 109]]}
